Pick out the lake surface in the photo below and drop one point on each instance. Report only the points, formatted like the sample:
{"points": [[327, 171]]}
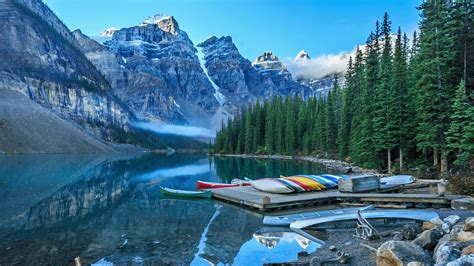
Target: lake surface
{"points": [[108, 210]]}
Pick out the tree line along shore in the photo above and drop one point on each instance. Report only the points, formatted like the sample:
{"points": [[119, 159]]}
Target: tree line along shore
{"points": [[407, 103]]}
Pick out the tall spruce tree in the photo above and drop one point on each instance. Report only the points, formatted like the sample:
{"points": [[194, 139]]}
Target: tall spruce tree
{"points": [[399, 103], [383, 124], [459, 123], [434, 72]]}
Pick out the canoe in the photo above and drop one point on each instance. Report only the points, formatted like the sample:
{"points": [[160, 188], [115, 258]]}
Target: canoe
{"points": [[185, 193], [413, 215], [299, 183], [397, 180], [286, 220], [211, 185]]}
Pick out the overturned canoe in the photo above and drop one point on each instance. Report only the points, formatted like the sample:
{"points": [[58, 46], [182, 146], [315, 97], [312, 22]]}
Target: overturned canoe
{"points": [[415, 215], [286, 220], [397, 180], [186, 193], [211, 185], [299, 183]]}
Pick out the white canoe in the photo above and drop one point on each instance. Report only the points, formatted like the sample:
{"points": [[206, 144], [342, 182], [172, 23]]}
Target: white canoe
{"points": [[270, 184], [416, 215], [286, 220], [397, 180]]}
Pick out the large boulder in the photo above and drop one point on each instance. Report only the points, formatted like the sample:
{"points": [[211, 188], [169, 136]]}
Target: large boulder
{"points": [[428, 239], [445, 252], [399, 253], [452, 219], [411, 231], [468, 250], [463, 261], [434, 223], [465, 236], [469, 224]]}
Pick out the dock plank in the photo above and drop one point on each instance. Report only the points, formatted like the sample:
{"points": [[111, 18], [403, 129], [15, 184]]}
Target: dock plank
{"points": [[250, 197]]}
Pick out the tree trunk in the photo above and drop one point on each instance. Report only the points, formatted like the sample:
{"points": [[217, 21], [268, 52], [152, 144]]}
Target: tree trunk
{"points": [[435, 157], [401, 159], [389, 161], [444, 162]]}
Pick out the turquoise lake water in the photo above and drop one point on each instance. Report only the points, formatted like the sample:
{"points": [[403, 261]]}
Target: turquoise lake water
{"points": [[107, 209]]}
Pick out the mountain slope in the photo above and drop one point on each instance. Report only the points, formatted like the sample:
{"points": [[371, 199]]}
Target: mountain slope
{"points": [[27, 127], [40, 60]]}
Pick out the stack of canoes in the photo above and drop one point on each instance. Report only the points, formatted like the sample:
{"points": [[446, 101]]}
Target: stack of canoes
{"points": [[298, 183]]}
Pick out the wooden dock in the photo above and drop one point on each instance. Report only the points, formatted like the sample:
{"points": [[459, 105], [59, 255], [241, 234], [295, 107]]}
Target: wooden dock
{"points": [[249, 197]]}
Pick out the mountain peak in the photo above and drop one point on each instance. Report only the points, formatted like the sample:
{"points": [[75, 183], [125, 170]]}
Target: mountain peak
{"points": [[266, 57], [302, 55], [109, 32], [164, 22]]}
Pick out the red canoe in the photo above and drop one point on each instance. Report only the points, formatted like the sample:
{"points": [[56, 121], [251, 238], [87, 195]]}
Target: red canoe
{"points": [[210, 185]]}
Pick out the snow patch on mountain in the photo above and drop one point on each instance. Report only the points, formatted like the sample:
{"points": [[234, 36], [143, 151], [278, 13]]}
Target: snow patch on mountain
{"points": [[219, 96]]}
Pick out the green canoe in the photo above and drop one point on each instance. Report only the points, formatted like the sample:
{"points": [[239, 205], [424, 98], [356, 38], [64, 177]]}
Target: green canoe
{"points": [[185, 193]]}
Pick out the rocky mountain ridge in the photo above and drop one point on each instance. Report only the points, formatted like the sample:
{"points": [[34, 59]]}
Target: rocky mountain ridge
{"points": [[148, 72]]}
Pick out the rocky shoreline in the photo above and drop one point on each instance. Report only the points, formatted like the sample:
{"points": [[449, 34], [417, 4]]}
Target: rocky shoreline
{"points": [[446, 241], [332, 164]]}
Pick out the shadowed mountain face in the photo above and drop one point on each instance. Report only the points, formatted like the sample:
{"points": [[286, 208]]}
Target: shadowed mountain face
{"points": [[41, 60], [54, 208]]}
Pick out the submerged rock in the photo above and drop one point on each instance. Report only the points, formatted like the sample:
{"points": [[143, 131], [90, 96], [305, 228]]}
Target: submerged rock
{"points": [[401, 253]]}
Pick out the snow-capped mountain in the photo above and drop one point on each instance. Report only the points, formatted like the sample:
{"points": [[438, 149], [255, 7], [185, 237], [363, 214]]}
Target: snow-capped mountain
{"points": [[155, 70]]}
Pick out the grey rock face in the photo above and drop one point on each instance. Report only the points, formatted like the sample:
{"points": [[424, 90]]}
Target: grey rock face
{"points": [[154, 69], [269, 66], [140, 91], [238, 81], [41, 60], [320, 87]]}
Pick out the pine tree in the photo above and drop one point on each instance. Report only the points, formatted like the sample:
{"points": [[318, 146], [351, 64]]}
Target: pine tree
{"points": [[399, 102], [366, 154], [383, 126], [435, 70], [459, 122], [346, 114], [248, 132]]}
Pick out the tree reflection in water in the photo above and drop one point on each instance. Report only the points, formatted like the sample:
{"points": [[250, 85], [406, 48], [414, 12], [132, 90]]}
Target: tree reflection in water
{"points": [[54, 208]]}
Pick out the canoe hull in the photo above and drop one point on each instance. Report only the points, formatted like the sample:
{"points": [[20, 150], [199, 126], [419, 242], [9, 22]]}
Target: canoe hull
{"points": [[299, 183], [286, 220], [186, 193], [211, 185]]}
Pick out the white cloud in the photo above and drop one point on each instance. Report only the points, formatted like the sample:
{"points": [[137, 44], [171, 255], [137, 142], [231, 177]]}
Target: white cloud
{"points": [[319, 66], [187, 131]]}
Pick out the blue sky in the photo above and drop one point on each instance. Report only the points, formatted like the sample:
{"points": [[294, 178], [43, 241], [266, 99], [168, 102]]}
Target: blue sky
{"points": [[282, 26]]}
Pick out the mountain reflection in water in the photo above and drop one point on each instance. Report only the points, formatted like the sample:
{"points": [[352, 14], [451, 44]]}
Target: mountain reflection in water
{"points": [[108, 209]]}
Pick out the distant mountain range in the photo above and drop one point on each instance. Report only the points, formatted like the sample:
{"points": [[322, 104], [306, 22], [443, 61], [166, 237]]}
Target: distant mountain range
{"points": [[102, 86]]}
